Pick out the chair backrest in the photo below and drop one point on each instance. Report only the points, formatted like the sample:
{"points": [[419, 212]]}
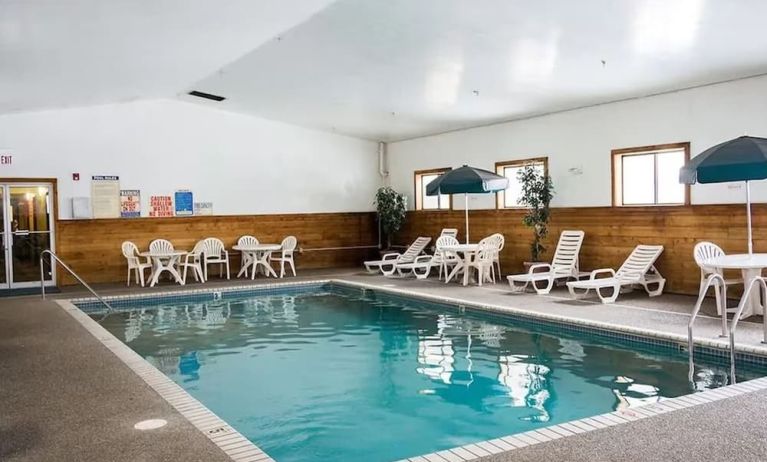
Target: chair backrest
{"points": [[449, 232], [247, 241], [568, 248], [199, 247], [212, 247], [415, 249], [498, 240], [289, 245], [488, 249], [640, 261], [444, 241], [129, 249], [160, 245], [705, 251]]}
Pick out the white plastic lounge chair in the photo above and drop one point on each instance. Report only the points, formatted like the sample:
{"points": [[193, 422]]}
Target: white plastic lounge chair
{"points": [[563, 265], [214, 253], [130, 252], [638, 269], [388, 264], [194, 260], [452, 232], [703, 252], [246, 258], [288, 247]]}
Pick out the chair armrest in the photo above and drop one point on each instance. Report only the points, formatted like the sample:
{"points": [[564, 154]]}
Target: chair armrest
{"points": [[422, 258], [390, 256], [594, 273], [538, 265]]}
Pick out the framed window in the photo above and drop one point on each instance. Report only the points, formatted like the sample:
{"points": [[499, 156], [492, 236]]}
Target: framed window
{"points": [[424, 202], [649, 175], [508, 198]]}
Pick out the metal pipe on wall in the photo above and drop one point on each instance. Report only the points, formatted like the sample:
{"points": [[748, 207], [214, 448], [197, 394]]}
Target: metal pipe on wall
{"points": [[383, 170]]}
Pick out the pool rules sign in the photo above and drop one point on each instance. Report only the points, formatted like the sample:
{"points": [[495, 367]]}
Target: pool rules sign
{"points": [[105, 196]]}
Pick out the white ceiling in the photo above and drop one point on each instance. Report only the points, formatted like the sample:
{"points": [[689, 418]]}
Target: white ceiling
{"points": [[58, 53], [376, 69]]}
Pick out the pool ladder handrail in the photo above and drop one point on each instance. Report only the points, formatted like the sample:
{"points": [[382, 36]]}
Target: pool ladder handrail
{"points": [[71, 271], [726, 332], [744, 299], [701, 297]]}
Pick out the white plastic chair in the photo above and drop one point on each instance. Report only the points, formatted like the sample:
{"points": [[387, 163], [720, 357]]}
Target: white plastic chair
{"points": [[194, 260], [703, 252], [498, 241], [563, 265], [246, 258], [214, 253], [483, 260], [388, 264], [638, 269], [286, 256], [446, 259], [130, 252]]}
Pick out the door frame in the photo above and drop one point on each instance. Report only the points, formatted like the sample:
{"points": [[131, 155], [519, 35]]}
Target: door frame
{"points": [[54, 219]]}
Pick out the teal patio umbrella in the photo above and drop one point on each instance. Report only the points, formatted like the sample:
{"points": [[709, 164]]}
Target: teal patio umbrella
{"points": [[467, 180], [741, 159]]}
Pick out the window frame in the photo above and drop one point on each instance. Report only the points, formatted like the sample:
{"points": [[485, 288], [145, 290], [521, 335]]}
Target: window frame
{"points": [[616, 156], [500, 196], [418, 199]]}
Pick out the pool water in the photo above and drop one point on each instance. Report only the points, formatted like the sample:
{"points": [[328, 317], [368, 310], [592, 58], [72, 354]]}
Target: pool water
{"points": [[346, 375]]}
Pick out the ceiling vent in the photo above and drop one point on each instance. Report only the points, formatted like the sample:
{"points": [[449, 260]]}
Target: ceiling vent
{"points": [[201, 94]]}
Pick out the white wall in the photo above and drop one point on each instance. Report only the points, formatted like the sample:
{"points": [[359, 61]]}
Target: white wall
{"points": [[243, 164], [584, 138]]}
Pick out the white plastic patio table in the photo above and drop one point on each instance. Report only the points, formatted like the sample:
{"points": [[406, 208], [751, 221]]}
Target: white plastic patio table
{"points": [[468, 251], [164, 261], [751, 266], [260, 253]]}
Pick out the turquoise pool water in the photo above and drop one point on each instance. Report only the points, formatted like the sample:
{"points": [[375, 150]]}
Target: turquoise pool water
{"points": [[342, 375]]}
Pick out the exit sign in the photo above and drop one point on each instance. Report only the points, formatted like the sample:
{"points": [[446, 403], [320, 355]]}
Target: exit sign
{"points": [[6, 159]]}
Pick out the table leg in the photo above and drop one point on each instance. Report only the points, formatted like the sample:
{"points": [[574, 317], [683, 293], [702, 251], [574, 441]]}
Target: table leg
{"points": [[156, 270], [753, 305], [269, 269], [466, 267], [172, 270], [244, 268]]}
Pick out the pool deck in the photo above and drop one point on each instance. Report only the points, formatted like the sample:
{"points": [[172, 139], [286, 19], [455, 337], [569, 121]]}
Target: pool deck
{"points": [[67, 397]]}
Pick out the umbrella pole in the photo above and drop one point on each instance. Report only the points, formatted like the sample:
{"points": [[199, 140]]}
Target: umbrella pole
{"points": [[748, 217], [466, 208]]}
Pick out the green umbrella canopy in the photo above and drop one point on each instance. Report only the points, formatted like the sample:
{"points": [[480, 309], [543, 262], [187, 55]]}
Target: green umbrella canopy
{"points": [[467, 180], [741, 159]]}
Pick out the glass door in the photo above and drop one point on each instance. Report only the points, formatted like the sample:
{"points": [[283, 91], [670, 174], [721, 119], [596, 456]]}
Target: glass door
{"points": [[4, 250], [28, 231]]}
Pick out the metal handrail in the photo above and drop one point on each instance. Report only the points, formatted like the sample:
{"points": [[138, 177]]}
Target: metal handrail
{"points": [[66, 267], [690, 345], [741, 305]]}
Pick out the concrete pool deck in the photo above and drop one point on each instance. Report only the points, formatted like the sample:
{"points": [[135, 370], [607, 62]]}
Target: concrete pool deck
{"points": [[66, 397]]}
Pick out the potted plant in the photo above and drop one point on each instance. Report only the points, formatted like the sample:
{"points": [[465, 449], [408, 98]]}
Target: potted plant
{"points": [[537, 191], [391, 207]]}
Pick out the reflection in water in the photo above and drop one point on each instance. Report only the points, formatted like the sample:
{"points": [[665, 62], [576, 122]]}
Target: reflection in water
{"points": [[329, 376]]}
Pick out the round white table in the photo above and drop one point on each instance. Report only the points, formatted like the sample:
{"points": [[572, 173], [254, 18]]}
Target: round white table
{"points": [[468, 251], [259, 256], [751, 266], [164, 261]]}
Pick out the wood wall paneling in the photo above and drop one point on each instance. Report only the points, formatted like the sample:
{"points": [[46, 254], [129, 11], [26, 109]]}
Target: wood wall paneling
{"points": [[611, 234], [92, 247]]}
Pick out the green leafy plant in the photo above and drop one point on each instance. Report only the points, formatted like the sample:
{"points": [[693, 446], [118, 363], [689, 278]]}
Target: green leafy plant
{"points": [[537, 192], [392, 208]]}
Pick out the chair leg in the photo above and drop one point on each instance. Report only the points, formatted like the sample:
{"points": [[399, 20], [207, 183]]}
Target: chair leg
{"points": [[546, 289], [141, 277], [227, 269], [183, 276], [611, 299], [282, 269], [128, 277], [292, 266]]}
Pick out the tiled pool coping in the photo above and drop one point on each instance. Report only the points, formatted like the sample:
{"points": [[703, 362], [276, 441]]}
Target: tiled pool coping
{"points": [[240, 449]]}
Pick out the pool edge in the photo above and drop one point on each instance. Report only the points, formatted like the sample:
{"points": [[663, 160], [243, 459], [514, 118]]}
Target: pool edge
{"points": [[240, 449]]}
